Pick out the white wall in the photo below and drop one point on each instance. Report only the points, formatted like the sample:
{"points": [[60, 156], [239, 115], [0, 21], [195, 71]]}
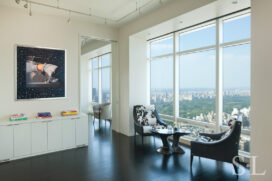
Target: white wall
{"points": [[166, 12], [45, 31], [261, 87], [138, 73]]}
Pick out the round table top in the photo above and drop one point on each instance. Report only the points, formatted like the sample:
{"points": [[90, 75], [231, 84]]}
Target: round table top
{"points": [[169, 132]]}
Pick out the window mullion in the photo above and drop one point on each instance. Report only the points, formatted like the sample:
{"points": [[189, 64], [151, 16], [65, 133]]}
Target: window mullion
{"points": [[99, 80], [176, 77], [219, 75]]}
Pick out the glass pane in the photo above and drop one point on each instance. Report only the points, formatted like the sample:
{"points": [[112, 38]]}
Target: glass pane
{"points": [[197, 80], [95, 86], [105, 84], [236, 29], [161, 47], [197, 38], [105, 60], [244, 143], [161, 80], [236, 83], [95, 63]]}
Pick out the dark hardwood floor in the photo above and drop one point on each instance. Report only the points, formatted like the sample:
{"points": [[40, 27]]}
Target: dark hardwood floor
{"points": [[112, 156]]}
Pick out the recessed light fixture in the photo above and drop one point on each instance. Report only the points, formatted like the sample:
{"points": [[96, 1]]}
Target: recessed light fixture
{"points": [[18, 1], [180, 21]]}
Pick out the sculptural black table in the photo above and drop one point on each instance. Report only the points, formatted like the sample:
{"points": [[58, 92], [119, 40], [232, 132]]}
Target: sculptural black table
{"points": [[177, 134], [164, 133]]}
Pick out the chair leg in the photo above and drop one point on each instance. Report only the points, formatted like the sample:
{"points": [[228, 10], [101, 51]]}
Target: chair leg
{"points": [[142, 139], [192, 157], [235, 169], [134, 136]]}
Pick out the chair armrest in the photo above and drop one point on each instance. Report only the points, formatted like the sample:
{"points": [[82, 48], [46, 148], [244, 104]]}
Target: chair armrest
{"points": [[159, 120], [214, 136]]}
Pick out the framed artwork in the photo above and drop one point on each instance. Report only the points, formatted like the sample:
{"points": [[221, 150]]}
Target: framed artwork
{"points": [[40, 73]]}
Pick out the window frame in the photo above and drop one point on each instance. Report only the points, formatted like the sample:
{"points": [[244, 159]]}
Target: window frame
{"points": [[218, 47]]}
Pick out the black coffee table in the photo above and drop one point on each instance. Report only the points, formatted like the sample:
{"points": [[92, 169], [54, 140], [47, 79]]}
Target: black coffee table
{"points": [[164, 133]]}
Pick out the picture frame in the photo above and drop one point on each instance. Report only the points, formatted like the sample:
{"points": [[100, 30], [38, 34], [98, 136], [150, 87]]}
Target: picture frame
{"points": [[40, 73]]}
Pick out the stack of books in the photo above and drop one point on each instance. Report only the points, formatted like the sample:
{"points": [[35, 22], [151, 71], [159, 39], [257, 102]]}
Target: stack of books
{"points": [[44, 115], [69, 113], [18, 117]]}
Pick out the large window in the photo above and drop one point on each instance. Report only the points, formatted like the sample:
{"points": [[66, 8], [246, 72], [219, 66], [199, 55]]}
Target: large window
{"points": [[203, 81], [197, 74], [101, 78], [161, 75]]}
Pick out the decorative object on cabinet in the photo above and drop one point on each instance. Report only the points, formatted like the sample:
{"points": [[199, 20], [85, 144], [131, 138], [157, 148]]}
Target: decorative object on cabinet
{"points": [[69, 113], [18, 117], [44, 115]]}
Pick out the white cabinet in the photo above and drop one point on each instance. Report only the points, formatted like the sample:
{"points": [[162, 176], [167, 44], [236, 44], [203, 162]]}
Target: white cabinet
{"points": [[22, 140], [54, 135], [33, 137], [69, 133], [6, 142], [82, 131], [38, 137]]}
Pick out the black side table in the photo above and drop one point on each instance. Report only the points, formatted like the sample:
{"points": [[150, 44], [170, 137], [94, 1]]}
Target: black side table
{"points": [[164, 133], [175, 146]]}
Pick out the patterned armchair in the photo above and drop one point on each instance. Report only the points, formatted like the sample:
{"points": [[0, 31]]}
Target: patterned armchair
{"points": [[141, 125]]}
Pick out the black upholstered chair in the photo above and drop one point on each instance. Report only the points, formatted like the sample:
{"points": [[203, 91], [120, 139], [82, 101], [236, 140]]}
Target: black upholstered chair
{"points": [[221, 148], [140, 129]]}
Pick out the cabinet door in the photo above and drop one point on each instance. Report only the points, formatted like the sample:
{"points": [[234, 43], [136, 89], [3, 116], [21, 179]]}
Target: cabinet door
{"points": [[82, 131], [38, 137], [6, 142], [54, 135], [22, 140], [68, 133]]}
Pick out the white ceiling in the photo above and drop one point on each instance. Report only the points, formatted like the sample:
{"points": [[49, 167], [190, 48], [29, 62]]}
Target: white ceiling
{"points": [[115, 12]]}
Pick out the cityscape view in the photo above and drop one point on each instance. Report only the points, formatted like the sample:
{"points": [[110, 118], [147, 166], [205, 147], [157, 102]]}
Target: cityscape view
{"points": [[200, 105]]}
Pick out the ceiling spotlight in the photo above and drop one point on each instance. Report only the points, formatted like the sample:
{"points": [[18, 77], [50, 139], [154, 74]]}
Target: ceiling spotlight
{"points": [[18, 1], [161, 2], [69, 19], [235, 2], [30, 11], [26, 5]]}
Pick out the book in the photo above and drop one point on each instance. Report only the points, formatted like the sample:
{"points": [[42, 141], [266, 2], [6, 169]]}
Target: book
{"points": [[18, 117]]}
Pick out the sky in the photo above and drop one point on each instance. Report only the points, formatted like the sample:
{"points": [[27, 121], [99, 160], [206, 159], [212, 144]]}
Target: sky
{"points": [[198, 70]]}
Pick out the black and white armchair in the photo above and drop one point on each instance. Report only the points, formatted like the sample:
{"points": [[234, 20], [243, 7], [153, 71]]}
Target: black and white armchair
{"points": [[141, 126]]}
